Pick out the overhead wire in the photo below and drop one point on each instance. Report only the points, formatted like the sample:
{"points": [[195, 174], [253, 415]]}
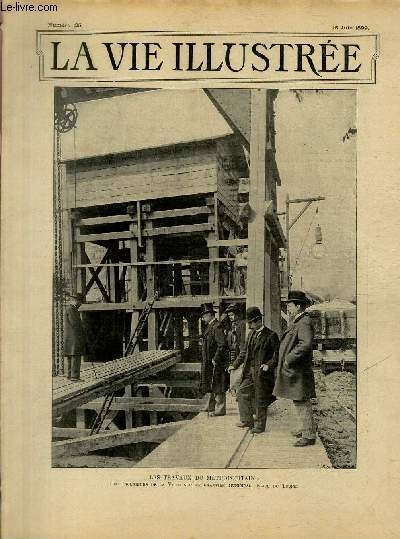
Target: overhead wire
{"points": [[305, 239]]}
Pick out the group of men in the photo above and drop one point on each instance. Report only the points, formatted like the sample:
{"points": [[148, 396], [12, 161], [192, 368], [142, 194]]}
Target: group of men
{"points": [[269, 368]]}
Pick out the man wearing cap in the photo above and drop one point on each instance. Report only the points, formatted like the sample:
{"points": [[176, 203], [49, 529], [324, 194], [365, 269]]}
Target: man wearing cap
{"points": [[214, 376], [259, 358], [236, 337], [295, 377], [74, 337]]}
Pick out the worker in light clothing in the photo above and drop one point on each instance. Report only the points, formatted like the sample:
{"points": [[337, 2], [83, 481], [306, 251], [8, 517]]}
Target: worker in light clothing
{"points": [[295, 377], [214, 376], [74, 337], [259, 359]]}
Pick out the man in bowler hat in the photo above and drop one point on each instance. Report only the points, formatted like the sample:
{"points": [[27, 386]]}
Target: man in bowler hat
{"points": [[214, 376], [74, 337], [295, 377], [259, 358]]}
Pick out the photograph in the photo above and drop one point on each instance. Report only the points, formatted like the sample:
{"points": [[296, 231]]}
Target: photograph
{"points": [[204, 278]]}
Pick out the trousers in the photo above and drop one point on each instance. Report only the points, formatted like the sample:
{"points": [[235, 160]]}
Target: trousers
{"points": [[73, 367], [306, 418], [248, 406], [217, 403]]}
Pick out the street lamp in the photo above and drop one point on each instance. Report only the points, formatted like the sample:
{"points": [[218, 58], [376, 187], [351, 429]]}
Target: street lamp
{"points": [[318, 249]]}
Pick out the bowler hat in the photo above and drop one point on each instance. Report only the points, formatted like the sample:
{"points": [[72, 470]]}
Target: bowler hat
{"points": [[207, 308], [232, 308], [253, 314], [297, 296]]}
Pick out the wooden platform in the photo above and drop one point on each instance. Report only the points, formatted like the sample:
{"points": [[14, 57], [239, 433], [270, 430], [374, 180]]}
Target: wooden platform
{"points": [[215, 442], [101, 378]]}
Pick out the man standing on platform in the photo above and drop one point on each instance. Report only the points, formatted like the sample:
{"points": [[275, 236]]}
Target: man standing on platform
{"points": [[75, 337], [295, 377], [214, 376], [259, 358]]}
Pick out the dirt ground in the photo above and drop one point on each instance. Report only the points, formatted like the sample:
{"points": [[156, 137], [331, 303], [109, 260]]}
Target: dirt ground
{"points": [[336, 393]]}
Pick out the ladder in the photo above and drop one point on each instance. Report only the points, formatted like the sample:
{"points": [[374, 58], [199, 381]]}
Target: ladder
{"points": [[100, 417], [130, 347]]}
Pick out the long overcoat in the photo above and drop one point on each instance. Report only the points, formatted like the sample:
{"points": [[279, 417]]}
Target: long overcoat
{"points": [[215, 348], [295, 377], [236, 339], [74, 333], [260, 349]]}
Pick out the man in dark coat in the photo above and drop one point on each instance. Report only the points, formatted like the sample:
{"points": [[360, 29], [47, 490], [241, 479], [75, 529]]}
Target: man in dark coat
{"points": [[214, 376], [236, 336], [295, 377], [259, 358], [74, 337]]}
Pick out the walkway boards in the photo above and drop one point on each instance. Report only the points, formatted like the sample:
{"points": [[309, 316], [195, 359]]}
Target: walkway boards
{"points": [[215, 442], [99, 379]]}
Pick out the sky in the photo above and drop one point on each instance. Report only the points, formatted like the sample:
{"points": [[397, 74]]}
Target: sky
{"points": [[313, 160]]}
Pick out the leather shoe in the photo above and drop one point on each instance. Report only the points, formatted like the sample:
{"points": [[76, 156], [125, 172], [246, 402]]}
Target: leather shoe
{"points": [[296, 433], [244, 425], [257, 430], [218, 415], [304, 441]]}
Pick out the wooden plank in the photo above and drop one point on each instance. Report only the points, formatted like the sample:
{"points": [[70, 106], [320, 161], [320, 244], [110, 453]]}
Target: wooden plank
{"points": [[98, 199], [183, 302], [124, 177], [183, 261], [179, 229], [61, 432], [104, 236], [151, 407], [144, 404], [180, 212], [105, 306], [164, 214], [135, 163], [109, 377], [169, 382], [111, 192], [228, 243], [83, 446], [106, 220], [258, 279], [211, 441]]}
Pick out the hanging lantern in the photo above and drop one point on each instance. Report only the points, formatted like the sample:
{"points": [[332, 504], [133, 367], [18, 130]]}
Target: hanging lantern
{"points": [[318, 249]]}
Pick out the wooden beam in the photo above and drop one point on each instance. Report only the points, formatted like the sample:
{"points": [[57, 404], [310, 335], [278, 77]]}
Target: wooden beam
{"points": [[106, 220], [129, 406], [180, 212], [163, 214], [122, 403], [170, 382], [152, 320], [65, 399], [179, 229], [228, 243], [60, 432], [83, 446], [105, 236], [182, 302], [258, 278]]}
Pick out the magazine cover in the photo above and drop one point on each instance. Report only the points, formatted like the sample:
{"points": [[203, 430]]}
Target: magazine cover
{"points": [[198, 252]]}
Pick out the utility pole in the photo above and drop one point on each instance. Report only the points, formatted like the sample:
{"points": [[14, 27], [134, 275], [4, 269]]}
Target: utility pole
{"points": [[308, 201]]}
